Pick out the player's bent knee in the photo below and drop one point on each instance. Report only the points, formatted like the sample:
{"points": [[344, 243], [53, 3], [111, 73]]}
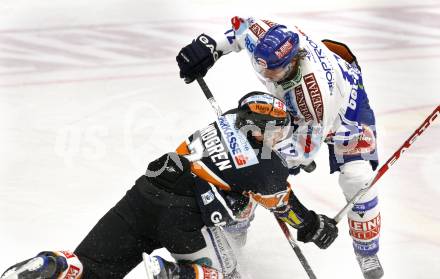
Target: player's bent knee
{"points": [[354, 176], [217, 253]]}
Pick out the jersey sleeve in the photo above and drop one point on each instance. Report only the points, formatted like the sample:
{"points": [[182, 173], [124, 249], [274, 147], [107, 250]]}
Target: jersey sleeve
{"points": [[268, 185], [232, 39], [243, 34], [294, 213]]}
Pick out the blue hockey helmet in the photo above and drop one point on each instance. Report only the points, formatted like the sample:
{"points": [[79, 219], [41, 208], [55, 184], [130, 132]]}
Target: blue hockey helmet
{"points": [[275, 49]]}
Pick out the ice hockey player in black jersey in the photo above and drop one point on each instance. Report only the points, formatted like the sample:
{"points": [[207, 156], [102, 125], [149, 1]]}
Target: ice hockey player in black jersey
{"points": [[186, 198]]}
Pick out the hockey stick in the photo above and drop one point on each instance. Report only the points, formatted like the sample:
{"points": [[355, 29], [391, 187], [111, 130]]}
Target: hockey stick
{"points": [[388, 164], [209, 96], [283, 225], [296, 249]]}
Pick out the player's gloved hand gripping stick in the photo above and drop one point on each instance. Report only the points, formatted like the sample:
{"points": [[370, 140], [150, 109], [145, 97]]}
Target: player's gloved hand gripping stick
{"points": [[282, 225]]}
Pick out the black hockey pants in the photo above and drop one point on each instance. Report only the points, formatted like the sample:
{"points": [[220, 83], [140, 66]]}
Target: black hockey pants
{"points": [[145, 219]]}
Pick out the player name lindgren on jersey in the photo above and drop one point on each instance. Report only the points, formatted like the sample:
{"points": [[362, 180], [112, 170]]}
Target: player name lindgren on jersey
{"points": [[215, 147]]}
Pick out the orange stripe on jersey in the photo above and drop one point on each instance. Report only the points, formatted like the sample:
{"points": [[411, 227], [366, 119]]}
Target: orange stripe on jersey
{"points": [[182, 149], [199, 169], [272, 201], [340, 49]]}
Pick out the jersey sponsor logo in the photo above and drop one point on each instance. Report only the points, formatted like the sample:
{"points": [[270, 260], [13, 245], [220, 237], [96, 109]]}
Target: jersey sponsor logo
{"points": [[216, 217], [72, 273], [222, 249], [210, 273], [315, 95], [292, 82], [242, 153], [207, 197], [249, 43], [354, 140], [257, 30], [366, 230], [277, 104], [215, 148], [301, 102], [269, 23], [288, 84], [325, 63], [68, 254], [210, 46], [284, 50]]}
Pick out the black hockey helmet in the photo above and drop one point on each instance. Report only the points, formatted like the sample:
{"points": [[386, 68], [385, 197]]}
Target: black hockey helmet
{"points": [[261, 110]]}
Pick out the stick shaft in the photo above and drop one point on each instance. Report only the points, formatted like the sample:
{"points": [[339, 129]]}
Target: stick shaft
{"points": [[407, 144], [209, 96], [296, 249]]}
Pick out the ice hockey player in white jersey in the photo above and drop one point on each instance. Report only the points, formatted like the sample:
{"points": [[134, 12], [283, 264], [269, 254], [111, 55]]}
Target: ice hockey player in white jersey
{"points": [[321, 84]]}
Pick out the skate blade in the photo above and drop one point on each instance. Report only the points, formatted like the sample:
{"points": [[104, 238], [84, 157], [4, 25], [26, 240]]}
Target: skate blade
{"points": [[147, 264], [33, 264]]}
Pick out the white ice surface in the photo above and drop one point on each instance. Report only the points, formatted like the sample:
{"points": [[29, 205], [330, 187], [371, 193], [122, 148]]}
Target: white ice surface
{"points": [[89, 94]]}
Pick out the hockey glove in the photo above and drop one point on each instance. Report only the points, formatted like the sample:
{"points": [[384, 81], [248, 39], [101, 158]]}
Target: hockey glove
{"points": [[195, 59], [318, 229], [243, 208], [307, 168]]}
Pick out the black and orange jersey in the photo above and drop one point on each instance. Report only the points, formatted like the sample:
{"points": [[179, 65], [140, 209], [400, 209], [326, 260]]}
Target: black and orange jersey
{"points": [[220, 165], [231, 162]]}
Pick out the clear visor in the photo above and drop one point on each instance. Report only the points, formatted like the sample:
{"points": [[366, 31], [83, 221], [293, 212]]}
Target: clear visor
{"points": [[271, 136], [276, 74]]}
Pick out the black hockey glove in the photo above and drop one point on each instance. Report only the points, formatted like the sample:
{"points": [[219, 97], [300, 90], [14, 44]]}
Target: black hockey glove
{"points": [[195, 59], [309, 168], [318, 229]]}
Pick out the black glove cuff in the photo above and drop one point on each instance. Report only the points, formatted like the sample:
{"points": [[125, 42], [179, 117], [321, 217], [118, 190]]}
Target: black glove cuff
{"points": [[308, 227]]}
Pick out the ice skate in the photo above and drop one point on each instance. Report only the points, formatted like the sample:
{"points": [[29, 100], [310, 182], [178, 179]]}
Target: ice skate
{"points": [[158, 268], [35, 268], [370, 266]]}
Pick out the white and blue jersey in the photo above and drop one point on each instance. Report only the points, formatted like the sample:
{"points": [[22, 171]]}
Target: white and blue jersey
{"points": [[328, 104], [326, 98]]}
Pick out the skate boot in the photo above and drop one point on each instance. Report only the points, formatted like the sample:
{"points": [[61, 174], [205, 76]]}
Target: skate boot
{"points": [[40, 267], [370, 266], [158, 268]]}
